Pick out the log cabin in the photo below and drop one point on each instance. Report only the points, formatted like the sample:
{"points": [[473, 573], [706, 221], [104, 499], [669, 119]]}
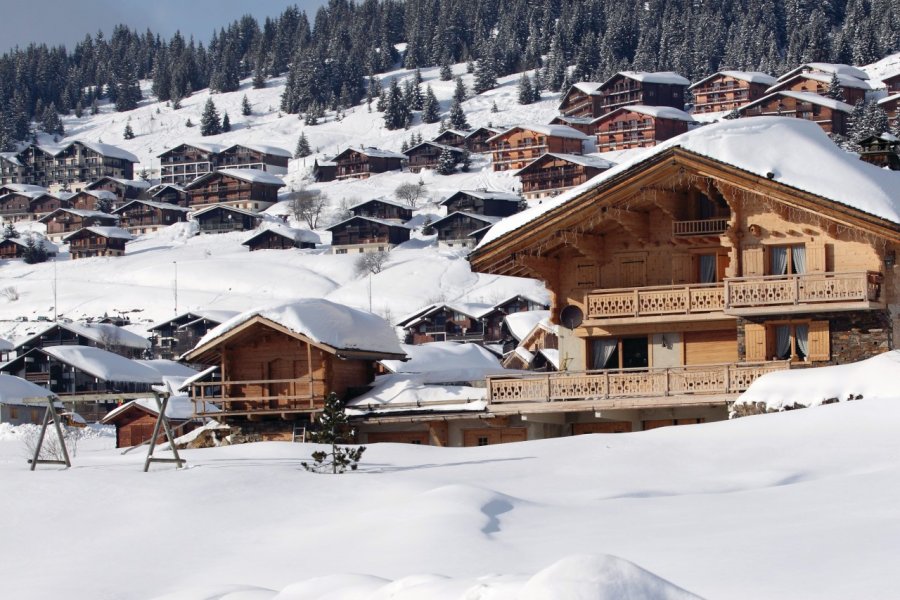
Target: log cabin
{"points": [[728, 90], [457, 322], [44, 204], [427, 155], [382, 208], [684, 274], [582, 124], [94, 241], [172, 338], [135, 420], [831, 115], [281, 237], [582, 99], [552, 173], [365, 234], [852, 89], [477, 140], [454, 229], [90, 199], [881, 150], [518, 146], [63, 221], [98, 335], [147, 216], [274, 367], [124, 189], [625, 88], [222, 218], [892, 83], [12, 248], [891, 106], [324, 170], [365, 161], [483, 202], [630, 127], [169, 193], [248, 189]]}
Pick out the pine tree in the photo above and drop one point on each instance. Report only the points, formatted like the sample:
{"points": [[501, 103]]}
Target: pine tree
{"points": [[50, 121], [79, 110], [458, 117], [446, 73], [189, 123], [104, 204], [396, 112], [209, 120], [302, 149], [34, 251], [460, 92], [245, 106], [404, 147], [226, 123], [470, 66], [259, 79], [465, 162], [485, 73], [835, 91], [9, 232], [333, 430], [494, 108], [129, 133], [95, 108], [525, 91], [446, 162], [431, 108]]}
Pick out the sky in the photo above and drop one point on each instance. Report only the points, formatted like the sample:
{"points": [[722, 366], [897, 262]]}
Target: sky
{"points": [[66, 22]]}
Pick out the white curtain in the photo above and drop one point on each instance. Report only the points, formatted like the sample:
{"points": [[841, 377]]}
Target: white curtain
{"points": [[602, 349], [708, 268], [783, 341], [802, 332], [798, 257], [778, 256]]}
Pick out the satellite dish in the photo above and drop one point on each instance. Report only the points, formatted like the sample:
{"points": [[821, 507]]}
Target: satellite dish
{"points": [[571, 316]]}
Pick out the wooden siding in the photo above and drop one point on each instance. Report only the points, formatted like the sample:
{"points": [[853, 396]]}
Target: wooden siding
{"points": [[710, 347], [621, 91], [518, 147], [491, 436], [723, 92], [831, 121], [626, 130]]}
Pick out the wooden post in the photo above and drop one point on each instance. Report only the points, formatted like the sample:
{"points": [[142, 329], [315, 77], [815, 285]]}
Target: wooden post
{"points": [[50, 415], [162, 421]]}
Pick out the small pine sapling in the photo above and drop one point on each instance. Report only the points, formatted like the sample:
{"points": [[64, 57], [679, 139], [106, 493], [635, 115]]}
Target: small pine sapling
{"points": [[333, 430]]}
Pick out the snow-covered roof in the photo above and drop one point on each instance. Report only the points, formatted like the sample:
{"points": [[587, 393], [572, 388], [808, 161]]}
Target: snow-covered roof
{"points": [[563, 131], [248, 175], [552, 356], [585, 160], [134, 183], [572, 120], [520, 324], [49, 246], [588, 87], [273, 150], [82, 213], [227, 207], [100, 194], [105, 149], [889, 99], [436, 145], [178, 408], [107, 232], [324, 322], [160, 188], [372, 219], [847, 81], [102, 333], [666, 77], [381, 199], [839, 68], [417, 393], [6, 345], [659, 112], [296, 235], [759, 145], [11, 157], [748, 76], [212, 315], [168, 368], [471, 215], [103, 364], [15, 390], [374, 152], [803, 97], [153, 204], [24, 187], [474, 310], [873, 378], [204, 146], [441, 357], [485, 195]]}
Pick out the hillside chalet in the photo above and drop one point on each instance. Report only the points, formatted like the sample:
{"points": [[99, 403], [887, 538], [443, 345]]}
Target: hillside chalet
{"points": [[483, 202], [553, 173], [630, 127], [728, 90], [97, 241], [169, 193], [324, 170], [518, 146], [891, 106], [91, 199], [124, 189], [881, 150], [582, 124], [382, 208], [248, 189], [680, 277], [365, 234], [186, 162], [28, 206], [135, 420], [98, 335], [63, 221], [827, 69], [456, 322], [582, 100], [170, 339], [11, 248], [70, 167], [628, 88], [427, 155], [271, 369], [281, 237], [477, 139], [453, 231], [222, 218], [452, 137], [830, 115], [365, 161], [892, 83], [147, 216], [852, 89]]}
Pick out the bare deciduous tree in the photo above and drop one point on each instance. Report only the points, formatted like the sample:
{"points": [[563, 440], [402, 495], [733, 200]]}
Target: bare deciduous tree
{"points": [[410, 193], [371, 262], [307, 205]]}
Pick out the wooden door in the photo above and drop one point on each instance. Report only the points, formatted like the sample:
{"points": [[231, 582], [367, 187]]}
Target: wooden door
{"points": [[632, 271], [280, 369]]}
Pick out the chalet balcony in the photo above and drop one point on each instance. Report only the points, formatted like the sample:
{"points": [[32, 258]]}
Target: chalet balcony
{"points": [[809, 292], [222, 227], [257, 397], [37, 377], [700, 227], [631, 388], [655, 301]]}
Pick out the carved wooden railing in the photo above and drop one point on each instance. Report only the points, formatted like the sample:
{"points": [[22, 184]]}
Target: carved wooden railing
{"points": [[256, 396], [660, 300], [699, 227], [629, 383], [808, 288]]}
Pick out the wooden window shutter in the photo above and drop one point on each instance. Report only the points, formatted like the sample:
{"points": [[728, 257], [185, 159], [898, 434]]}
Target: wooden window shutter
{"points": [[754, 261], [755, 341], [815, 257], [682, 268], [819, 341]]}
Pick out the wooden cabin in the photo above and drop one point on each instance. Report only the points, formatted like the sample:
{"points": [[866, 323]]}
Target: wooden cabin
{"points": [[172, 338], [98, 335], [445, 323], [44, 204], [186, 162], [16, 206], [223, 218], [135, 420], [831, 115], [270, 159], [882, 151], [366, 161], [147, 216], [324, 170], [124, 189], [494, 320], [826, 69], [892, 83], [483, 202], [582, 100], [281, 238], [12, 170], [518, 146], [90, 199], [852, 89], [274, 368], [427, 155], [365, 234], [169, 193], [454, 229], [12, 248], [628, 88], [537, 350], [63, 221], [583, 124], [553, 173], [891, 107], [689, 274], [631, 127], [477, 140], [70, 167], [728, 90], [382, 208], [97, 241], [249, 189], [452, 137]]}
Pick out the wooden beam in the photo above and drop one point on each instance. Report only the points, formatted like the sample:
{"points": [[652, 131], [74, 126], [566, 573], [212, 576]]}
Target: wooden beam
{"points": [[547, 270], [588, 245], [635, 223]]}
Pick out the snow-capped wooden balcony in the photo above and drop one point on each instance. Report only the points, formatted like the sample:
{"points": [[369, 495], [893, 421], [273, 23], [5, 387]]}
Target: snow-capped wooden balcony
{"points": [[258, 397], [695, 298], [777, 294]]}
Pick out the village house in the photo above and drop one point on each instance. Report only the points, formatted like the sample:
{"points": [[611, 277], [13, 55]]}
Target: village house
{"points": [[452, 137], [12, 169], [18, 206], [248, 189], [728, 90], [97, 241], [427, 155], [460, 322], [270, 159], [186, 162], [22, 402], [222, 218], [583, 124], [124, 189], [831, 115], [494, 319], [881, 150], [454, 229], [365, 161], [147, 216], [534, 344], [270, 370], [826, 69], [852, 89], [170, 339], [693, 269], [324, 170], [636, 126], [281, 237], [169, 193], [382, 208], [891, 106], [44, 204], [91, 199], [518, 146], [99, 335], [582, 100], [70, 167], [628, 88], [477, 139], [366, 234], [554, 173], [483, 202], [11, 248], [892, 83], [63, 221]]}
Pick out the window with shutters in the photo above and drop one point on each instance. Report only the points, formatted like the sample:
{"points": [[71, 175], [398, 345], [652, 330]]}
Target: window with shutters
{"points": [[797, 341]]}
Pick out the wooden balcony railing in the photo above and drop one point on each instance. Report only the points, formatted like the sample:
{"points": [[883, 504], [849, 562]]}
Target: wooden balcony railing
{"points": [[629, 383], [699, 227], [651, 301], [750, 294], [237, 397]]}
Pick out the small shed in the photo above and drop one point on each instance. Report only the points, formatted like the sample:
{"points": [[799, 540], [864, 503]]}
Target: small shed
{"points": [[134, 421]]}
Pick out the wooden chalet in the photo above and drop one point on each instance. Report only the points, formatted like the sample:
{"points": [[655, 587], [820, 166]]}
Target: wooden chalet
{"points": [[223, 218], [553, 173], [135, 420], [169, 193], [518, 146], [882, 151], [630, 127], [19, 206], [891, 107], [186, 162], [170, 339], [382, 208], [477, 139], [452, 137], [826, 69], [44, 204], [365, 161], [583, 124], [94, 241], [98, 335], [728, 90], [892, 83], [830, 115], [483, 202], [693, 270], [124, 189], [494, 319], [73, 166], [12, 169], [537, 350], [281, 237], [454, 229], [274, 368], [12, 187], [22, 402], [89, 199], [582, 100], [270, 159], [852, 89], [63, 221], [628, 88], [12, 248], [147, 216], [445, 323], [366, 234], [324, 170], [249, 189], [427, 155]]}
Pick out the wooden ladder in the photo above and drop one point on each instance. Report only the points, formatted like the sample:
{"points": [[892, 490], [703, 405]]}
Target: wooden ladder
{"points": [[299, 434]]}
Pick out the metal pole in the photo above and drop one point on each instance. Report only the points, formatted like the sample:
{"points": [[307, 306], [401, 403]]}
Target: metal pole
{"points": [[55, 312], [174, 262]]}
